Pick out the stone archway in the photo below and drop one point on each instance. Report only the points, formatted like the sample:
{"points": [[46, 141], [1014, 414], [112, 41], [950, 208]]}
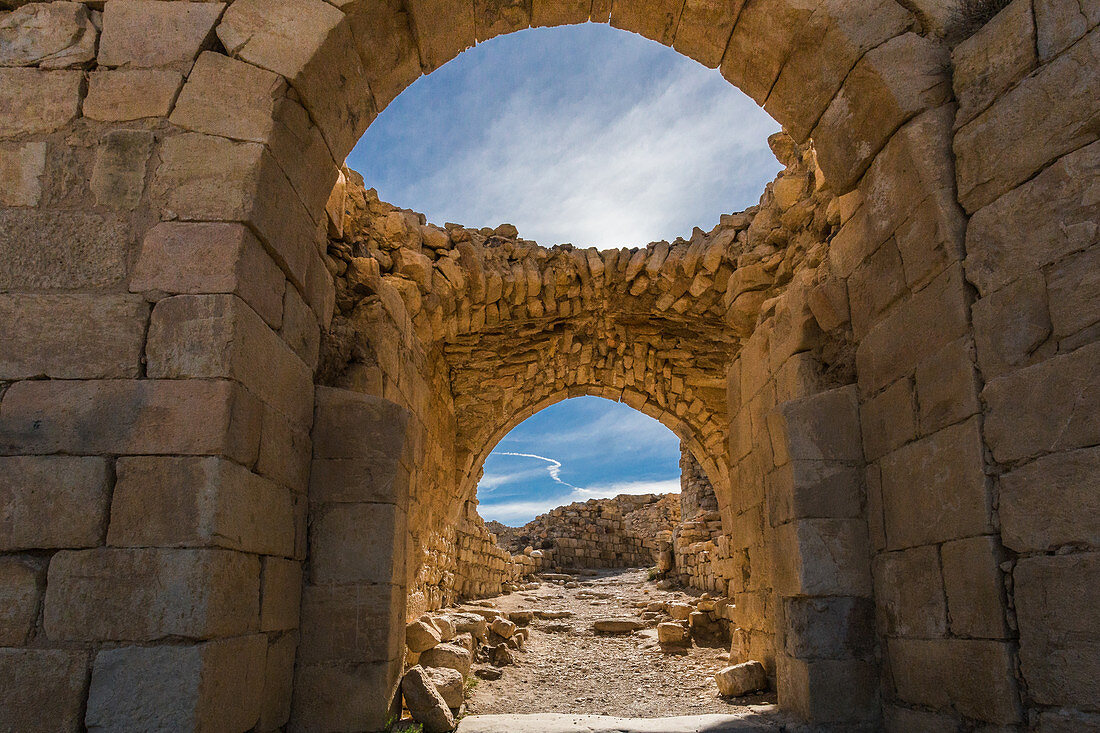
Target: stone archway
{"points": [[182, 233]]}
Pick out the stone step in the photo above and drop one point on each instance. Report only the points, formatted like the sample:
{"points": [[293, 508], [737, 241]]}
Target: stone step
{"points": [[765, 722]]}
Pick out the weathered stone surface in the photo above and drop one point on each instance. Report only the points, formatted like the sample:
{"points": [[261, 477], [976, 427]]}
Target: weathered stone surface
{"points": [[34, 101], [618, 625], [420, 636], [654, 19], [300, 329], [741, 679], [975, 589], [909, 592], [1059, 652], [144, 34], [22, 580], [1011, 324], [813, 490], [52, 501], [1074, 293], [834, 628], [503, 627], [671, 633], [889, 419], [118, 178], [975, 677], [71, 336], [935, 489], [449, 683], [822, 427], [200, 502], [341, 552], [278, 683], [823, 557], [988, 63], [183, 329], [1059, 23], [216, 685], [828, 690], [200, 258], [150, 594], [189, 417], [1052, 502], [425, 703], [440, 42], [43, 690], [50, 249], [447, 655], [704, 29], [1047, 115], [51, 35], [1035, 224], [1054, 405], [22, 166], [352, 624], [352, 697], [280, 594], [497, 17], [231, 98], [120, 95], [947, 387], [559, 12]]}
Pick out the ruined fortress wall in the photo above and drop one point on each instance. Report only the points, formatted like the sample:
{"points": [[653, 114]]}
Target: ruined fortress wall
{"points": [[701, 550]]}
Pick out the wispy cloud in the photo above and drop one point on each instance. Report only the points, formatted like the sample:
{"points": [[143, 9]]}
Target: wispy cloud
{"points": [[554, 469]]}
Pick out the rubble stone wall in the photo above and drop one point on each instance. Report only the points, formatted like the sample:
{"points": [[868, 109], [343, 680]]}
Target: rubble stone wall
{"points": [[701, 550], [905, 373]]}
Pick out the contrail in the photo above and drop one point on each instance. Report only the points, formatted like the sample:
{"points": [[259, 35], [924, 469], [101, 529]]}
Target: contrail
{"points": [[554, 468]]}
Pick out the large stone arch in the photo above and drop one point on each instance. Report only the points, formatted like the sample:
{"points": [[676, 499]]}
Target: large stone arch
{"points": [[183, 233]]}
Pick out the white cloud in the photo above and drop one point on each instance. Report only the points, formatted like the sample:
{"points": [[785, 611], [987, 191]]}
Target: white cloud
{"points": [[554, 469], [526, 510]]}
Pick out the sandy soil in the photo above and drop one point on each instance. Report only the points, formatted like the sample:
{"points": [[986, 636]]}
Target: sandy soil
{"points": [[568, 668]]}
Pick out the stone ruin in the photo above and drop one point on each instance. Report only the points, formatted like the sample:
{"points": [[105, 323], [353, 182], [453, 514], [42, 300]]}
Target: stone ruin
{"points": [[244, 406]]}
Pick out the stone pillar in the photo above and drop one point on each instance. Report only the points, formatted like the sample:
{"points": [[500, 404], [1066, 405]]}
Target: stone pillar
{"points": [[353, 600], [826, 671]]}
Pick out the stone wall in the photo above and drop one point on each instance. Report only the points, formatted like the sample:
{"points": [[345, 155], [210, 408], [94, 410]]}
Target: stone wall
{"points": [[701, 551]]}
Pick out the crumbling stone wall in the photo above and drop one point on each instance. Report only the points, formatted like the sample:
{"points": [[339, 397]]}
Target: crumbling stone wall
{"points": [[700, 548], [168, 166]]}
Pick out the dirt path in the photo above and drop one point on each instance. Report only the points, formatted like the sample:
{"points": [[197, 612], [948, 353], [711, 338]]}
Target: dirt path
{"points": [[567, 668]]}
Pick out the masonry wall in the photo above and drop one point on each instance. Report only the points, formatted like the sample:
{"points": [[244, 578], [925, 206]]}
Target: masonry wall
{"points": [[701, 550]]}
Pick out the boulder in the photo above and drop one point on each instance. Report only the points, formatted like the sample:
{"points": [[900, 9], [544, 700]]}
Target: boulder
{"points": [[741, 679], [618, 625], [425, 703], [449, 683], [680, 611], [657, 607], [521, 618], [503, 627], [448, 655], [470, 623], [671, 633], [488, 673], [465, 640], [446, 627], [502, 655], [421, 636]]}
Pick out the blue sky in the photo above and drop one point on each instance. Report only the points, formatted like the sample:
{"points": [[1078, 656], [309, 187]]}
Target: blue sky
{"points": [[576, 450], [582, 134]]}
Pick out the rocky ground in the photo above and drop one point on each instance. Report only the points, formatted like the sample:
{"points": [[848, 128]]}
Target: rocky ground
{"points": [[566, 667]]}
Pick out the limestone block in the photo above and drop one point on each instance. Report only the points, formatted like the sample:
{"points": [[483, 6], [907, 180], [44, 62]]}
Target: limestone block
{"points": [[1011, 324], [947, 389], [346, 697], [876, 284], [654, 19], [344, 418], [917, 328], [1051, 502], [209, 178], [52, 501], [300, 329], [1053, 405], [753, 66], [341, 552], [382, 32], [975, 589], [421, 636], [60, 249], [1074, 293], [496, 17], [823, 557], [143, 34], [118, 178], [149, 594], [741, 679], [907, 720], [278, 683], [48, 35], [889, 419], [931, 239], [209, 336], [44, 689], [448, 655], [909, 592], [227, 97], [120, 95], [988, 63], [284, 451], [449, 683], [352, 623], [189, 417], [22, 166], [559, 12], [935, 489], [424, 702], [22, 580], [813, 489], [826, 690], [201, 258], [704, 29], [826, 47], [71, 336], [890, 84], [1059, 23], [1059, 652], [200, 502], [35, 101], [975, 677], [216, 686], [824, 426], [1037, 223], [1047, 115], [309, 43], [833, 628]]}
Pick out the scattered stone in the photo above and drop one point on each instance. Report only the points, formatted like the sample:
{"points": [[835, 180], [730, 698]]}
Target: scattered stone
{"points": [[521, 618], [671, 633], [741, 679], [488, 673], [447, 655], [618, 625], [425, 703], [680, 611], [421, 636], [502, 656], [503, 628], [449, 683]]}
